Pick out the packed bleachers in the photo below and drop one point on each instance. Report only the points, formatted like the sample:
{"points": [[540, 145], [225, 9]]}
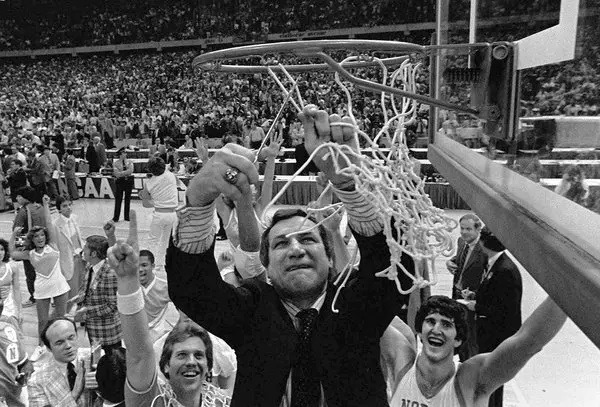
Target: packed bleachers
{"points": [[148, 94]]}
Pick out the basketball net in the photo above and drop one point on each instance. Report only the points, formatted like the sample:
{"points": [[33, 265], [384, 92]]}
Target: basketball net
{"points": [[411, 223]]}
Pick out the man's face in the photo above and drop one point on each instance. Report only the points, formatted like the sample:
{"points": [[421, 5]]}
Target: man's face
{"points": [[146, 271], [438, 336], [298, 264], [21, 201], [13, 166], [188, 365], [86, 254], [468, 231], [63, 341], [65, 209]]}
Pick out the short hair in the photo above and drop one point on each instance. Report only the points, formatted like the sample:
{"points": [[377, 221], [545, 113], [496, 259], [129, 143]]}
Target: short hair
{"points": [[32, 233], [490, 241], [181, 332], [111, 374], [6, 257], [98, 244], [447, 307], [284, 214], [44, 334], [28, 193], [60, 199], [148, 254], [17, 161], [156, 166], [471, 216], [573, 171]]}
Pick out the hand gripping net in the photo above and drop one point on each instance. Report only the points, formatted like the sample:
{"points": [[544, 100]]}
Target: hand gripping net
{"points": [[412, 224]]}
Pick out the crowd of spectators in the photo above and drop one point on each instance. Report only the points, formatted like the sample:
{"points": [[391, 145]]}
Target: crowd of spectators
{"points": [[55, 24], [158, 95]]}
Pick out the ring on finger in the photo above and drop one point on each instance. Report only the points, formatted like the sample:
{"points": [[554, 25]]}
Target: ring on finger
{"points": [[231, 175]]}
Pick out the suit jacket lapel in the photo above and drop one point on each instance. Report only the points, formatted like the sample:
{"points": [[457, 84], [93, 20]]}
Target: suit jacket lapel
{"points": [[490, 273], [472, 255], [62, 228]]}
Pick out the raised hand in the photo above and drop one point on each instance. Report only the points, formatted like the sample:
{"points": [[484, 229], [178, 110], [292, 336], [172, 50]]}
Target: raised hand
{"points": [[201, 149], [80, 314], [274, 146], [229, 171], [123, 257], [225, 259], [318, 130], [109, 230]]}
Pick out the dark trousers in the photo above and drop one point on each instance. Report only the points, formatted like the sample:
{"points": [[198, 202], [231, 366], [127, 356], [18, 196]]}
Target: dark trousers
{"points": [[51, 189], [496, 397], [40, 188], [123, 188], [30, 277], [108, 349]]}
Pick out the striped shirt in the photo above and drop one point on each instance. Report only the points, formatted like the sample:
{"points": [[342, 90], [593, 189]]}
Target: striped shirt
{"points": [[195, 229]]}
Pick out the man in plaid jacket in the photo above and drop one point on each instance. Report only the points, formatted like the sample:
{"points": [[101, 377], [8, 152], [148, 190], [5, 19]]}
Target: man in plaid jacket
{"points": [[97, 297]]}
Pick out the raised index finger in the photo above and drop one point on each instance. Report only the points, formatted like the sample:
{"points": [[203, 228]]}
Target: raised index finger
{"points": [[132, 239]]}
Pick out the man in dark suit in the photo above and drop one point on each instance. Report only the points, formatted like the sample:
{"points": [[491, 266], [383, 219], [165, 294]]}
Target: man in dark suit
{"points": [[91, 156], [498, 301], [100, 152], [123, 172], [467, 266], [292, 349]]}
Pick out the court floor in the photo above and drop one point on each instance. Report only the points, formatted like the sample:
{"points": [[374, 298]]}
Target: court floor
{"points": [[565, 373]]}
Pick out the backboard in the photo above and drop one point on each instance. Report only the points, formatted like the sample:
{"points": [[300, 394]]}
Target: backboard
{"points": [[548, 126]]}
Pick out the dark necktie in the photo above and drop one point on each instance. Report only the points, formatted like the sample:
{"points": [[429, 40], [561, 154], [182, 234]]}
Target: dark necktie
{"points": [[89, 282], [71, 375], [463, 257], [306, 389]]}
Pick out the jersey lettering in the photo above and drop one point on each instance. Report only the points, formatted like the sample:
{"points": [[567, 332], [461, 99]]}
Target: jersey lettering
{"points": [[410, 403], [10, 333], [12, 353]]}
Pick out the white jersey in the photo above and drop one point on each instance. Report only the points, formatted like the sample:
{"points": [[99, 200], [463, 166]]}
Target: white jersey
{"points": [[163, 190], [408, 394]]}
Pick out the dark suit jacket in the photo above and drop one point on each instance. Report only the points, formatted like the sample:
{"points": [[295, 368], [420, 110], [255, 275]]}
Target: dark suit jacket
{"points": [[498, 304], [91, 157], [254, 322], [470, 273], [101, 153]]}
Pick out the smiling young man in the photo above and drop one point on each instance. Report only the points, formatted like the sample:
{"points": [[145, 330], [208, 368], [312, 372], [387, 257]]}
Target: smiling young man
{"points": [[433, 379], [187, 357], [292, 349]]}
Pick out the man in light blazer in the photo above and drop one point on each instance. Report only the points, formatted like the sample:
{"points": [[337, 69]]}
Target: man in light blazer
{"points": [[70, 243], [61, 381]]}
